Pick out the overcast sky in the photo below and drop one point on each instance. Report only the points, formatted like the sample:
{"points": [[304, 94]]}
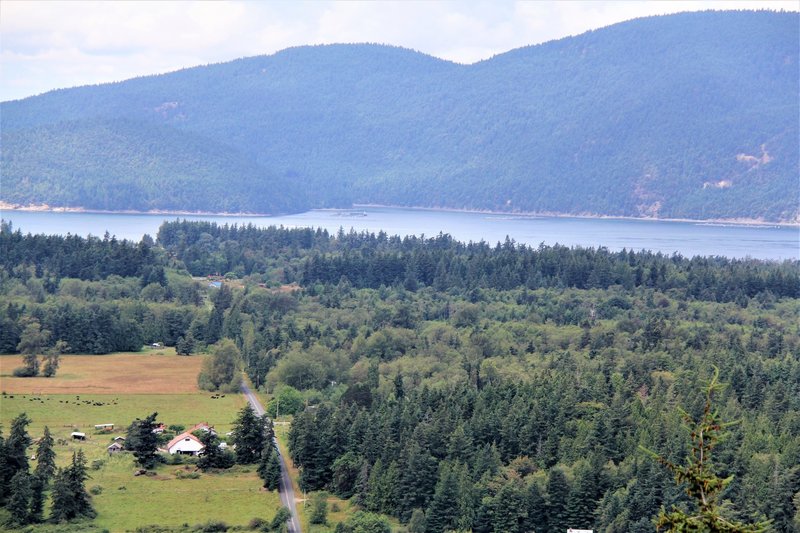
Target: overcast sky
{"points": [[48, 45]]}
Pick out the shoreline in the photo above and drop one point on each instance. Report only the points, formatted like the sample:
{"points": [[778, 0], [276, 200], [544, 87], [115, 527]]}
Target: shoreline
{"points": [[44, 208], [589, 216]]}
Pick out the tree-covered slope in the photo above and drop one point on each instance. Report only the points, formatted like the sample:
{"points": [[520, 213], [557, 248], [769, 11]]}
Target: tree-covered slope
{"points": [[691, 115]]}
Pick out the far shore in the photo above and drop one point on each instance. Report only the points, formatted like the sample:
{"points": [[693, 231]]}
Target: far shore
{"points": [[44, 208], [4, 206]]}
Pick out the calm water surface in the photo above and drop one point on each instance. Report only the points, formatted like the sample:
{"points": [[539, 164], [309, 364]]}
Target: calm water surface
{"points": [[686, 238]]}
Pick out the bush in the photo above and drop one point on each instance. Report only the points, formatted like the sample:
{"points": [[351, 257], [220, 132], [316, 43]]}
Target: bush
{"points": [[257, 523], [97, 464], [97, 489], [319, 508], [212, 526], [24, 372], [183, 474], [281, 517]]}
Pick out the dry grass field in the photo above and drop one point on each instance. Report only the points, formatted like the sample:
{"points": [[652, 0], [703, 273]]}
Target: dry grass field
{"points": [[149, 372]]}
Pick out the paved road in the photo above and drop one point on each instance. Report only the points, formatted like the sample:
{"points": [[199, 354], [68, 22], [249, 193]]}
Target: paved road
{"points": [[286, 490]]}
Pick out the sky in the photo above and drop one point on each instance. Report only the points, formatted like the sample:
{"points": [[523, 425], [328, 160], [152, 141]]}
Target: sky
{"points": [[47, 45]]}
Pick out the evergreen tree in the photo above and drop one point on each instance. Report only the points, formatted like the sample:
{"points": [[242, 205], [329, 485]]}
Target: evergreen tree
{"points": [[37, 499], [362, 484], [557, 495], [185, 344], [77, 477], [214, 456], [536, 509], [377, 489], [16, 446], [417, 522], [5, 469], [45, 457], [269, 469], [70, 499], [581, 503], [250, 433], [19, 503], [141, 440], [417, 480], [702, 483], [443, 511], [63, 508], [509, 508]]}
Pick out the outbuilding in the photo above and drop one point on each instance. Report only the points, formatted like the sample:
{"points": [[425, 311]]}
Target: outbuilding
{"points": [[115, 447], [77, 435]]}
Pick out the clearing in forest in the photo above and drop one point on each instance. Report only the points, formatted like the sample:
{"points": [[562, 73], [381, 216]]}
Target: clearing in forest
{"points": [[149, 372]]}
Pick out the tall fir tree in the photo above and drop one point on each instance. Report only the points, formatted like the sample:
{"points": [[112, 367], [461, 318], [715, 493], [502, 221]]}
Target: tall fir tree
{"points": [[38, 486], [581, 503], [557, 496], [269, 469], [18, 505], [70, 499], [214, 456], [417, 480], [77, 476], [45, 457], [443, 512], [63, 506], [17, 445], [250, 433], [536, 519], [509, 506], [142, 441]]}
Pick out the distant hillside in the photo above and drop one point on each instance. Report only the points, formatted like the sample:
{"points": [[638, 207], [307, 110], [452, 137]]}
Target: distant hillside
{"points": [[692, 115]]}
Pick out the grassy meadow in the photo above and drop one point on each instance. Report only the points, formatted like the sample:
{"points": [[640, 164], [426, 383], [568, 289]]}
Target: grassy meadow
{"points": [[117, 389], [148, 372]]}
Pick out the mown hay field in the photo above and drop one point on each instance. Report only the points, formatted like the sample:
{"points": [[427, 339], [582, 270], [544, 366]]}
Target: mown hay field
{"points": [[123, 373]]}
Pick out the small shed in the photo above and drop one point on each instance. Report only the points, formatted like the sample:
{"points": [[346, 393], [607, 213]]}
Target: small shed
{"points": [[115, 447], [104, 427], [77, 435], [119, 438]]}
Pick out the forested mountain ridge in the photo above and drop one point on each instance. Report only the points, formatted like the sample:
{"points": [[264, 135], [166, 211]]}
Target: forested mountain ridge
{"points": [[682, 116]]}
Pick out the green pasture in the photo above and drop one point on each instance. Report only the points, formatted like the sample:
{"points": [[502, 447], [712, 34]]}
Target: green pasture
{"points": [[168, 498]]}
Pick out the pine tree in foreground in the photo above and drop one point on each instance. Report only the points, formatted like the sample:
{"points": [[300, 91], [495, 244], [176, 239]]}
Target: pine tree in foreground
{"points": [[702, 483]]}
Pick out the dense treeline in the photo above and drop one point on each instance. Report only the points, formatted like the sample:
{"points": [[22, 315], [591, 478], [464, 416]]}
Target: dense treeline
{"points": [[96, 295], [605, 122], [72, 256], [457, 386], [371, 260]]}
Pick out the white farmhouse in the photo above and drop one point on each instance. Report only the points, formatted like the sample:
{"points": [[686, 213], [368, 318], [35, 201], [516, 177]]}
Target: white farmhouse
{"points": [[185, 444]]}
